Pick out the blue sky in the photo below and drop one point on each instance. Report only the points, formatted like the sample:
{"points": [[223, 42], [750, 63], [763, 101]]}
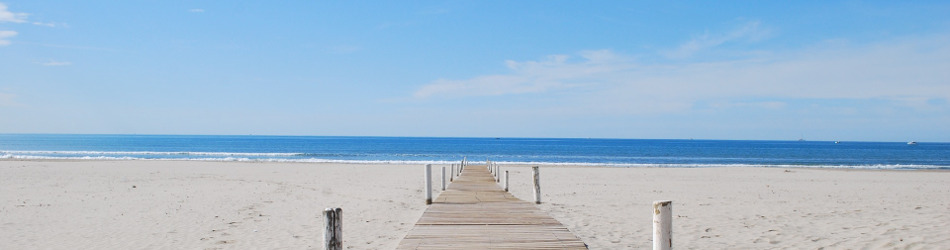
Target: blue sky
{"points": [[822, 70]]}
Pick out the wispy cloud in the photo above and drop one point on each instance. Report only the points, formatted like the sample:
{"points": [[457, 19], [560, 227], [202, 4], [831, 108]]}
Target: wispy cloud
{"points": [[51, 24], [53, 63], [12, 17], [911, 70], [7, 16], [551, 73], [5, 35], [751, 31], [196, 10]]}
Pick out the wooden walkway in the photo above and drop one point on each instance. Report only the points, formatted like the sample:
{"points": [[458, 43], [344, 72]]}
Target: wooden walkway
{"points": [[475, 213]]}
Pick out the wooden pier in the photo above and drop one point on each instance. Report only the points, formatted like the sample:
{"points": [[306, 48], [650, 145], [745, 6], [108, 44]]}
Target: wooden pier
{"points": [[475, 213]]}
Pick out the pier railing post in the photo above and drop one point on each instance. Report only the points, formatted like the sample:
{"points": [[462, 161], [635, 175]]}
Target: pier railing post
{"points": [[333, 234], [452, 176], [443, 178], [506, 180], [662, 225], [537, 185], [428, 184]]}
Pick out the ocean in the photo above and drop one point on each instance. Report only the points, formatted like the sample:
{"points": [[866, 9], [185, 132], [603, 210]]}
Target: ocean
{"points": [[424, 150]]}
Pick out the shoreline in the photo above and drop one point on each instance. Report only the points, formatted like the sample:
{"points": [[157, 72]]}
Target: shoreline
{"points": [[195, 204], [935, 168]]}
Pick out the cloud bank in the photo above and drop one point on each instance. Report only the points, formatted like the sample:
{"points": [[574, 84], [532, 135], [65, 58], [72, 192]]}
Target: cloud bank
{"points": [[910, 71]]}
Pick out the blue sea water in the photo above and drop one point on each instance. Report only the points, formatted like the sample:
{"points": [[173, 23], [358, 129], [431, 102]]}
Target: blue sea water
{"points": [[609, 152]]}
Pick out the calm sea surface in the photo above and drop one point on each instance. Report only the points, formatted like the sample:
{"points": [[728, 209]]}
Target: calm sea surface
{"points": [[613, 152]]}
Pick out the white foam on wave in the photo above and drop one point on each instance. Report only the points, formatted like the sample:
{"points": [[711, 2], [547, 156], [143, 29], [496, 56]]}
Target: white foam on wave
{"points": [[7, 155], [35, 157], [148, 153]]}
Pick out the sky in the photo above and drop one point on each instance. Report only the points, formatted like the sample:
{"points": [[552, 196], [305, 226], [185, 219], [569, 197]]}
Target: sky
{"points": [[738, 70]]}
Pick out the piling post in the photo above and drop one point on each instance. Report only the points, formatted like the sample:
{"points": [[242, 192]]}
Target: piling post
{"points": [[491, 169], [497, 173], [537, 185], [662, 225], [494, 171], [428, 184], [443, 178], [506, 180], [333, 234]]}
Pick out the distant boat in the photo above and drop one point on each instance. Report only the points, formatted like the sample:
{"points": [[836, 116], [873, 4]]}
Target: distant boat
{"points": [[836, 142], [912, 143]]}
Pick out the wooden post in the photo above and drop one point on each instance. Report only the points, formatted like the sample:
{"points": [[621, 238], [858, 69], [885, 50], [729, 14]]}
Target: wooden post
{"points": [[452, 176], [498, 174], [443, 178], [333, 234], [506, 180], [662, 225], [428, 184], [537, 185]]}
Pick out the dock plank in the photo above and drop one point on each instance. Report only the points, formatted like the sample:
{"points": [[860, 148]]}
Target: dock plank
{"points": [[475, 213]]}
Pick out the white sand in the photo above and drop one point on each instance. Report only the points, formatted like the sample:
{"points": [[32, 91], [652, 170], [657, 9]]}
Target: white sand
{"points": [[201, 205], [207, 205], [750, 208]]}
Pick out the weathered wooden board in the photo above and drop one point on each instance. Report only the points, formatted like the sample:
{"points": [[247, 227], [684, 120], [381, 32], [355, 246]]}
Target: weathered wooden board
{"points": [[475, 213]]}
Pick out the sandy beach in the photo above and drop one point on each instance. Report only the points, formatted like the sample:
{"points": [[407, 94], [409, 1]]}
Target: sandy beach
{"points": [[237, 205]]}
